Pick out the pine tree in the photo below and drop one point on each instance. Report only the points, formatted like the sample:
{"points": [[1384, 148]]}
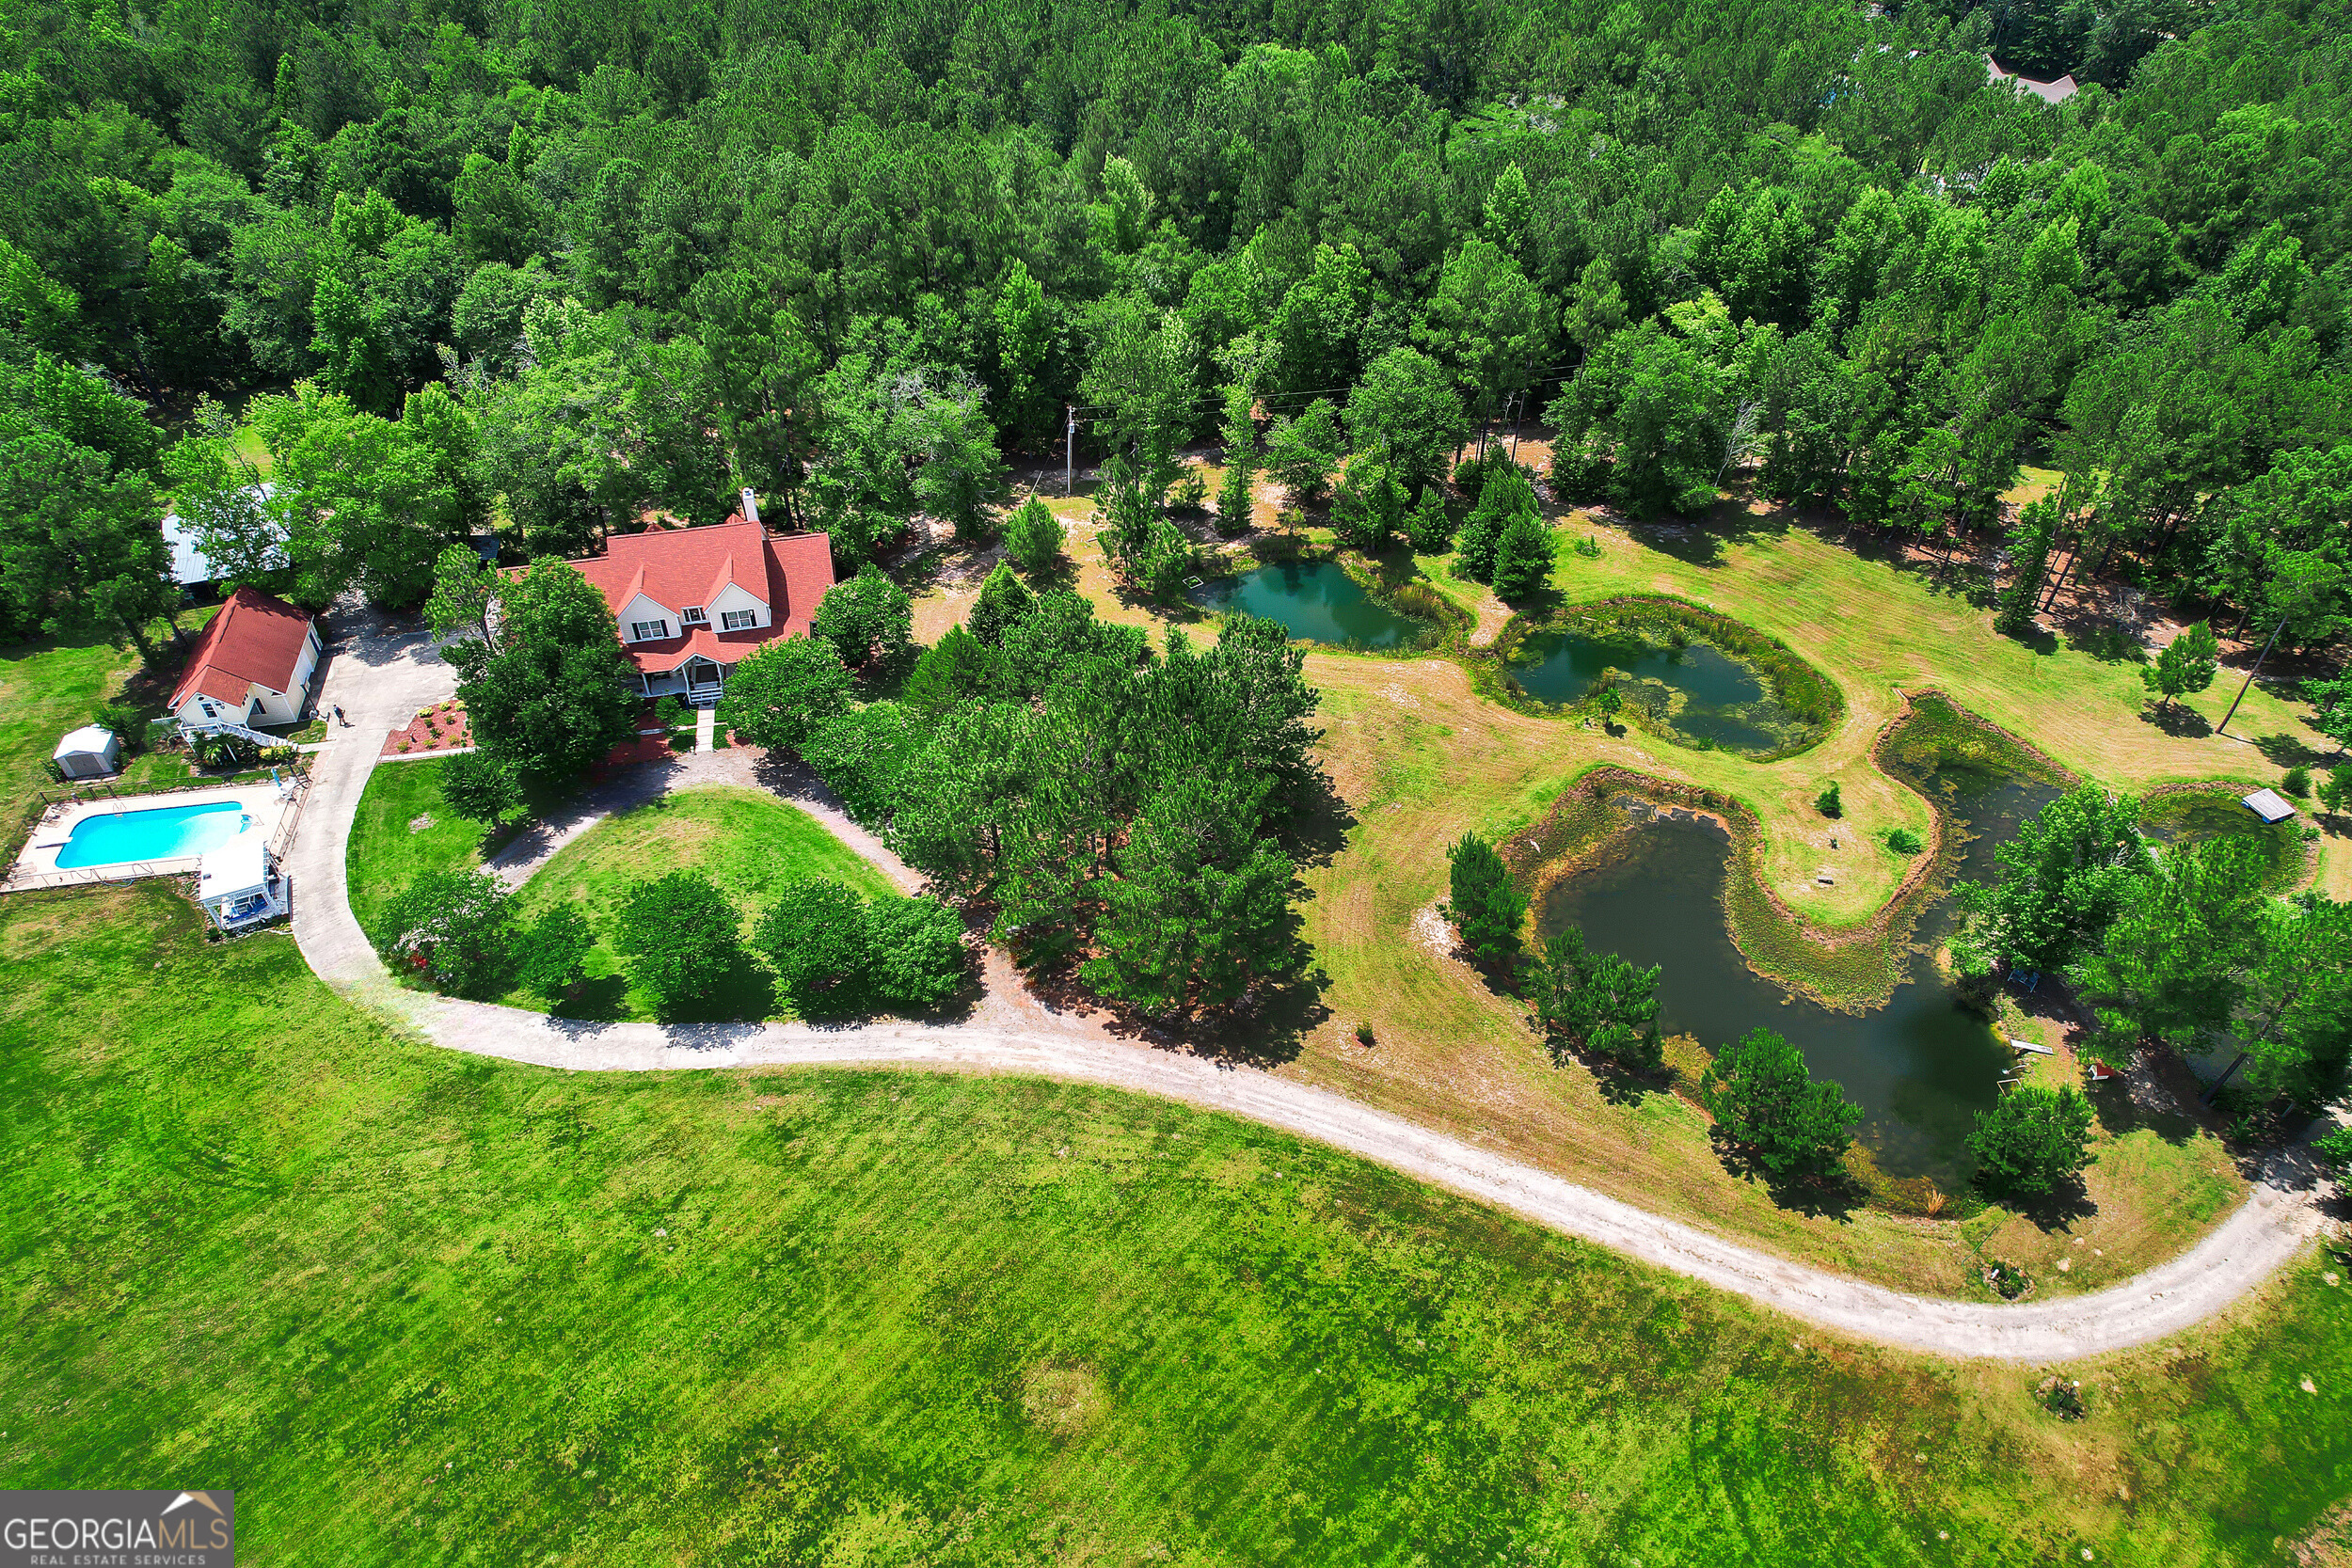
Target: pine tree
{"points": [[1004, 599], [1486, 907], [1523, 555], [1764, 1100], [1595, 1001], [1430, 529], [2188, 663], [1034, 537], [1239, 435], [958, 669], [2035, 535]]}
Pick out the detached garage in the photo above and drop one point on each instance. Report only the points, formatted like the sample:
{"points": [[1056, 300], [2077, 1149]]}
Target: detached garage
{"points": [[89, 752]]}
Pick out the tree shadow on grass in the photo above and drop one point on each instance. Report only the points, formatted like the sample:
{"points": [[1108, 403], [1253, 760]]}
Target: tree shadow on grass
{"points": [[1318, 829], [746, 993], [2179, 721], [2068, 1204], [2291, 751], [1834, 1195]]}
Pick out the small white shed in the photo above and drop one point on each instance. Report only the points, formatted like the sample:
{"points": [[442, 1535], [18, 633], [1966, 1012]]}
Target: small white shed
{"points": [[239, 883], [89, 752], [2269, 805]]}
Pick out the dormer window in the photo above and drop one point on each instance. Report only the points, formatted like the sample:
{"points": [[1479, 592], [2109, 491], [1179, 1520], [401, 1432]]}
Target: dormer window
{"points": [[740, 619], [648, 631], [693, 616]]}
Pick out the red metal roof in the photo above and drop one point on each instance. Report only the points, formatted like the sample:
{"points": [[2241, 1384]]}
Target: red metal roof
{"points": [[256, 640], [682, 566]]}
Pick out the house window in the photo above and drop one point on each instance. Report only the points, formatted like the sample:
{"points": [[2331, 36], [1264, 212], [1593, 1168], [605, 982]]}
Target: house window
{"points": [[648, 631], [693, 616], [740, 619], [210, 711]]}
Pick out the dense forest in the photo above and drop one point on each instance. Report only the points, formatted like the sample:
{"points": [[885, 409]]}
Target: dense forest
{"points": [[437, 267]]}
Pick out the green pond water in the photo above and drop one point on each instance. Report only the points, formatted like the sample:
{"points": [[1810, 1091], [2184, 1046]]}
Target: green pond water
{"points": [[1920, 1068], [1315, 601], [1696, 691]]}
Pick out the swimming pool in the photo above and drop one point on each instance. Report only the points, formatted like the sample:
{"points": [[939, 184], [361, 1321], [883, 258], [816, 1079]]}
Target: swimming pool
{"points": [[159, 834]]}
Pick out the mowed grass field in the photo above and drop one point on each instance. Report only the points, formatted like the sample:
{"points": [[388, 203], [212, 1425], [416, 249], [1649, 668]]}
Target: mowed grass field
{"points": [[421, 1308]]}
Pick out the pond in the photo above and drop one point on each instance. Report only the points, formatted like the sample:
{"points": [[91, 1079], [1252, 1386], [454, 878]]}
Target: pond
{"points": [[1920, 1068], [1696, 692], [1317, 601]]}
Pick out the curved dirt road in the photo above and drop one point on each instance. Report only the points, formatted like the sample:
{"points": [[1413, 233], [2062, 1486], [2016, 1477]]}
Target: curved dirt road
{"points": [[380, 683]]}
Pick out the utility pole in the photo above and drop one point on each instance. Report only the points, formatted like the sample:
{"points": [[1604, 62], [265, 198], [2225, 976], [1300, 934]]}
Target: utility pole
{"points": [[1069, 449], [2250, 675]]}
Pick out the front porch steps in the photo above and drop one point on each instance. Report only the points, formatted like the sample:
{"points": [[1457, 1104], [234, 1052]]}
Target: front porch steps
{"points": [[705, 729]]}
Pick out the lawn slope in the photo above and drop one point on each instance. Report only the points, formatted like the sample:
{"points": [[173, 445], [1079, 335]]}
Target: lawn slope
{"points": [[419, 1307]]}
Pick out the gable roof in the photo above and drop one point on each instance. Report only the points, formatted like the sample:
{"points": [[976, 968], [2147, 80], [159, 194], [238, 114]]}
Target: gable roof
{"points": [[2049, 92], [256, 640], [682, 566]]}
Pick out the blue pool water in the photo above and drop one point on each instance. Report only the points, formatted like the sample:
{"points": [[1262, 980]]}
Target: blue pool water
{"points": [[159, 834]]}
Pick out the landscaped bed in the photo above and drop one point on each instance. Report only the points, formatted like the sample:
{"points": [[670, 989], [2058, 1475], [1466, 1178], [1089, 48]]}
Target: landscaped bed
{"points": [[442, 727], [744, 840]]}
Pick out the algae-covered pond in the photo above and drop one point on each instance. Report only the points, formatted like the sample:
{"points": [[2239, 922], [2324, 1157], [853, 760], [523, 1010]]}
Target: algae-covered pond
{"points": [[1696, 692], [1920, 1067], [1317, 601]]}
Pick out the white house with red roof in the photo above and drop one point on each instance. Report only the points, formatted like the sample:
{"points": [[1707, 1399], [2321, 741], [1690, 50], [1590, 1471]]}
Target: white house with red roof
{"points": [[691, 602], [253, 664]]}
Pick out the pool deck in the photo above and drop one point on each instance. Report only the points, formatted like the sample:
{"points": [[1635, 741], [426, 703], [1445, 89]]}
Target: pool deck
{"points": [[274, 813]]}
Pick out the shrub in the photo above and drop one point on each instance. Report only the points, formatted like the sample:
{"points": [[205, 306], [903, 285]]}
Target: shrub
{"points": [[1904, 842], [917, 957], [2061, 1397], [1763, 1098], [2297, 782], [2336, 1148], [1589, 547], [835, 954], [130, 730], [1363, 1034], [1486, 907], [2032, 1140], [2007, 1281], [814, 937], [680, 934], [455, 930], [554, 952], [1829, 803]]}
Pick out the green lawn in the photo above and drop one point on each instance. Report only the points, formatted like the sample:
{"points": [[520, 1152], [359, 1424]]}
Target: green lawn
{"points": [[386, 851], [421, 1308], [47, 688], [745, 840]]}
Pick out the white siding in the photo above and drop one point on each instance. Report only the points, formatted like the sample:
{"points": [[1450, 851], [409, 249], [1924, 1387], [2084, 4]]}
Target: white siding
{"points": [[644, 607], [736, 597]]}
